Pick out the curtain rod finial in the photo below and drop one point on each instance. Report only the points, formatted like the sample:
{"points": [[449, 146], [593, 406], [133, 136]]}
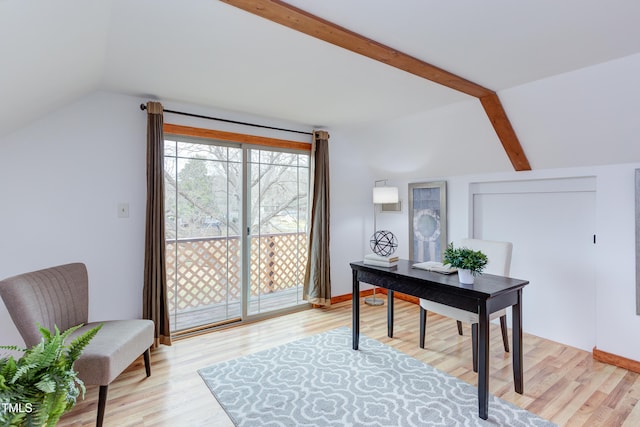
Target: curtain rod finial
{"points": [[143, 107]]}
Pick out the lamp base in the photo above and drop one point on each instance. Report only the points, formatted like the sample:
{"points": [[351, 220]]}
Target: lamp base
{"points": [[373, 301]]}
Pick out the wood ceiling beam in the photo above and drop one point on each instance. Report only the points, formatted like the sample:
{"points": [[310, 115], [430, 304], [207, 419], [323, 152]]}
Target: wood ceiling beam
{"points": [[501, 124], [304, 22]]}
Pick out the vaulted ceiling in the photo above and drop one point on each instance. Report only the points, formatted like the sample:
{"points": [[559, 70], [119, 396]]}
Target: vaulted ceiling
{"points": [[209, 53]]}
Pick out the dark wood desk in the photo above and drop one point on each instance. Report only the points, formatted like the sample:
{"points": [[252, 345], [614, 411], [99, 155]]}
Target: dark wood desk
{"points": [[488, 294]]}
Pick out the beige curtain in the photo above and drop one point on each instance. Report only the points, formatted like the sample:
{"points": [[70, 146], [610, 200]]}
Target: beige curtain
{"points": [[317, 278], [155, 277]]}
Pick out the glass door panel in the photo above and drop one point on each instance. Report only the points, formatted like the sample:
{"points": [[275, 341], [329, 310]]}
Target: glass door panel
{"points": [[278, 200], [203, 211]]}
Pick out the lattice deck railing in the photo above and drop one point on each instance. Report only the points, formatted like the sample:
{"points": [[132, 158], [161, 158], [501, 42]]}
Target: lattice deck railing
{"points": [[207, 271]]}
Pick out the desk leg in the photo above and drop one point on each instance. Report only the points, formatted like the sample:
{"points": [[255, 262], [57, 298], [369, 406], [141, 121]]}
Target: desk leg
{"points": [[389, 313], [483, 362], [423, 325], [355, 306], [516, 330]]}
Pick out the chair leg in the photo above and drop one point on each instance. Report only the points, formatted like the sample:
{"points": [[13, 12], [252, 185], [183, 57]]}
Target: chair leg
{"points": [[423, 325], [505, 336], [474, 344], [147, 362], [102, 403], [459, 327]]}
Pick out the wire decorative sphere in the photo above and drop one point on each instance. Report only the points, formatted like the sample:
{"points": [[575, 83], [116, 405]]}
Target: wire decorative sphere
{"points": [[383, 243]]}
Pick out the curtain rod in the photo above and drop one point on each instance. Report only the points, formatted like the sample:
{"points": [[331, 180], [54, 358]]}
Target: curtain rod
{"points": [[144, 107]]}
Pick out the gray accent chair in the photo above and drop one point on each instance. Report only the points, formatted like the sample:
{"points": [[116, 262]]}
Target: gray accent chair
{"points": [[59, 296]]}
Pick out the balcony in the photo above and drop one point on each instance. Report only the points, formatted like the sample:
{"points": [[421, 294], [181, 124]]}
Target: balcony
{"points": [[204, 277]]}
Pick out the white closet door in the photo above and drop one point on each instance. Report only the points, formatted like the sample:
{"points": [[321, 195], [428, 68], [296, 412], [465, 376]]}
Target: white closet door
{"points": [[553, 248]]}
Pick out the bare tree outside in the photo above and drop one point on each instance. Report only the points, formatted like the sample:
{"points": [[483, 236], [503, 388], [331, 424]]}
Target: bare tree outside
{"points": [[204, 190]]}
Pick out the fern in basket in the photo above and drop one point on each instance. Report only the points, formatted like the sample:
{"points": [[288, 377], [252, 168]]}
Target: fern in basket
{"points": [[40, 386]]}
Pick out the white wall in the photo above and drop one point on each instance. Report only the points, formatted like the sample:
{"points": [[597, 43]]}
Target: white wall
{"points": [[618, 327], [587, 119], [61, 180], [615, 318]]}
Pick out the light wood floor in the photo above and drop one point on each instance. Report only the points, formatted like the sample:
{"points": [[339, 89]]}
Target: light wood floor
{"points": [[562, 384]]}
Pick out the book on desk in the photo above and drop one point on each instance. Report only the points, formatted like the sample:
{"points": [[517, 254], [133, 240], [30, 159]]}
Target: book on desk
{"points": [[436, 267], [381, 261]]}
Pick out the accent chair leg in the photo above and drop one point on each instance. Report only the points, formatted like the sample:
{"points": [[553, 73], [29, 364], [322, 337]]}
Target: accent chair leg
{"points": [[102, 403], [147, 362], [423, 325], [505, 336], [459, 327], [474, 344]]}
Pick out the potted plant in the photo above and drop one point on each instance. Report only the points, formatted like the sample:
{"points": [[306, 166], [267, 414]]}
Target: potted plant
{"points": [[469, 263], [41, 385]]}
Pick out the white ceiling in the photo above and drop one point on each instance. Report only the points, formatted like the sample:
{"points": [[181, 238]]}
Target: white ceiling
{"points": [[207, 53]]}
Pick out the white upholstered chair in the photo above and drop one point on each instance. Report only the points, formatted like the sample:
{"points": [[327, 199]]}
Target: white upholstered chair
{"points": [[499, 255], [59, 296]]}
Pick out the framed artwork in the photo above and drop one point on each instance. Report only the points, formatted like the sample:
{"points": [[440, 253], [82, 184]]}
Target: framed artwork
{"points": [[427, 220]]}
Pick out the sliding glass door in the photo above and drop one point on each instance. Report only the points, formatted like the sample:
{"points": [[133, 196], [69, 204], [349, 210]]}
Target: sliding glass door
{"points": [[236, 220]]}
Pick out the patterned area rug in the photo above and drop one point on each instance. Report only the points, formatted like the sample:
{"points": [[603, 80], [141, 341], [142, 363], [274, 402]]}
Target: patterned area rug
{"points": [[321, 381]]}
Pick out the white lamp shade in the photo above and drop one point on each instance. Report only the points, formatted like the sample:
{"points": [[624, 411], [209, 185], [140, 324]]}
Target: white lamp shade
{"points": [[385, 194]]}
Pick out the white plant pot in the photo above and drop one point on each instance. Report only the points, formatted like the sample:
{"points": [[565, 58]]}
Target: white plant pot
{"points": [[465, 276]]}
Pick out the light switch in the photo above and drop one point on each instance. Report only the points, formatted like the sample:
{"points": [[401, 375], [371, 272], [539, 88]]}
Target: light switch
{"points": [[123, 210]]}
